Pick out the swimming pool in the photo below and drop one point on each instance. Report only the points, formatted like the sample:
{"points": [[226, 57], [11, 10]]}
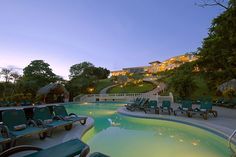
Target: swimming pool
{"points": [[123, 136]]}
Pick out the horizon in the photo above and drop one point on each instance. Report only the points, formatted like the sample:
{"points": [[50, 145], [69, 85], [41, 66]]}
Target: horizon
{"points": [[109, 34]]}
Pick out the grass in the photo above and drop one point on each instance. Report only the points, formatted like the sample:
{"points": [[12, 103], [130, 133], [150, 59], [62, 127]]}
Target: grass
{"points": [[101, 84], [201, 91], [133, 88]]}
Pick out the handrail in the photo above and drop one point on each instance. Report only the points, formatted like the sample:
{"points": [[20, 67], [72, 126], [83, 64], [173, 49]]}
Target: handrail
{"points": [[230, 140]]}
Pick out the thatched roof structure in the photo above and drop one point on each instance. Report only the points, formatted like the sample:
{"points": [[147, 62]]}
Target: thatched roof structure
{"points": [[55, 88], [227, 85]]}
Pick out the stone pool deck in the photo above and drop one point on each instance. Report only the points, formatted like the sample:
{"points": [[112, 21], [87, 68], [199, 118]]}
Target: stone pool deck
{"points": [[223, 125]]}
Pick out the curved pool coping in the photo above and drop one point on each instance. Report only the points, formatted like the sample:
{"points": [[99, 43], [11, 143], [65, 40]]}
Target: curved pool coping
{"points": [[182, 120], [89, 126]]}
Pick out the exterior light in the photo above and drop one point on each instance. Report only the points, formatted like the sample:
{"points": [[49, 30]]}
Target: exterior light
{"points": [[90, 90], [194, 143]]}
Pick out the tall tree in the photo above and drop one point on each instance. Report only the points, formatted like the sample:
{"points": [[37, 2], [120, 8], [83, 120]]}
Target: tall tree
{"points": [[217, 56], [182, 81], [83, 76], [78, 69], [37, 74]]}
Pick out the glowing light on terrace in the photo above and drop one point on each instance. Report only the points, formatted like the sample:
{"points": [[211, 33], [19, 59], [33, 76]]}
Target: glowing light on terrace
{"points": [[90, 90]]}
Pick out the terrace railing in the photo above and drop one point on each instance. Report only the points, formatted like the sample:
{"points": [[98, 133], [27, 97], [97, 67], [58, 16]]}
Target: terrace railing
{"points": [[121, 97]]}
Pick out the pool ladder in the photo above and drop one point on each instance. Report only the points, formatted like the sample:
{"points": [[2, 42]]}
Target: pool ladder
{"points": [[230, 141]]}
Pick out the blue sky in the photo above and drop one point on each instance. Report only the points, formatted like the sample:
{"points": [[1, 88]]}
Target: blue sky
{"points": [[108, 33]]}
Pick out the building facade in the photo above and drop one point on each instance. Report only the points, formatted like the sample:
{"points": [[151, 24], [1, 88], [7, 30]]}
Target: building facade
{"points": [[157, 66]]}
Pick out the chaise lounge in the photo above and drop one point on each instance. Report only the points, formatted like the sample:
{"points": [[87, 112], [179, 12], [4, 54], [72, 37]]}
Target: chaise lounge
{"points": [[152, 105], [46, 119], [17, 125], [166, 106], [205, 109], [185, 108], [61, 112]]}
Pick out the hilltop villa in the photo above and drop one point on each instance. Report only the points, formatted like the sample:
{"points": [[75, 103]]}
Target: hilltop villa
{"points": [[157, 66]]}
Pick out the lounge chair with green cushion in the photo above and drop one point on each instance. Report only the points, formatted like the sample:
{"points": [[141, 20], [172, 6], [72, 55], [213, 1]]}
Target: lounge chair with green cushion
{"points": [[61, 112], [44, 118], [67, 149], [135, 105], [152, 105], [18, 126], [143, 105], [135, 101], [186, 107], [131, 105], [205, 109], [166, 106], [140, 106]]}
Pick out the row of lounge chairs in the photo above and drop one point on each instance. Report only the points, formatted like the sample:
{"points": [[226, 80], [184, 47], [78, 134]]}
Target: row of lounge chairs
{"points": [[204, 110], [186, 107], [15, 125], [146, 105]]}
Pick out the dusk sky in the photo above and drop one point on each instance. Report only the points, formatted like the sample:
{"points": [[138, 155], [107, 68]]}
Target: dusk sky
{"points": [[108, 33]]}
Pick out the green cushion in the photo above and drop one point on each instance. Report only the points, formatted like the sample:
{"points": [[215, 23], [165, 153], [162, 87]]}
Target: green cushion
{"points": [[57, 123], [13, 118], [27, 131], [206, 105], [42, 113], [166, 104], [66, 149], [152, 104], [60, 111], [187, 104]]}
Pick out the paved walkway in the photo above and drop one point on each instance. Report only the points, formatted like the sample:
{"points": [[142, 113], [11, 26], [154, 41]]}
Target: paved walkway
{"points": [[160, 87], [104, 90], [224, 124]]}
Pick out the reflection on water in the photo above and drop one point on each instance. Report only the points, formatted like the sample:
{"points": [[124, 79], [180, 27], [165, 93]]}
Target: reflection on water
{"points": [[122, 136]]}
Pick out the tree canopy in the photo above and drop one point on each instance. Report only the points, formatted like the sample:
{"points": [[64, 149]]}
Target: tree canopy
{"points": [[217, 56], [84, 76], [37, 74]]}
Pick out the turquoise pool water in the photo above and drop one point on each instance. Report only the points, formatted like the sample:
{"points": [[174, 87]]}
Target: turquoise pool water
{"points": [[122, 136]]}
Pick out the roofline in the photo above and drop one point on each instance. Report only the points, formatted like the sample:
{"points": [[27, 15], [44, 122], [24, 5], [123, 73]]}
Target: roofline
{"points": [[136, 67], [154, 62]]}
